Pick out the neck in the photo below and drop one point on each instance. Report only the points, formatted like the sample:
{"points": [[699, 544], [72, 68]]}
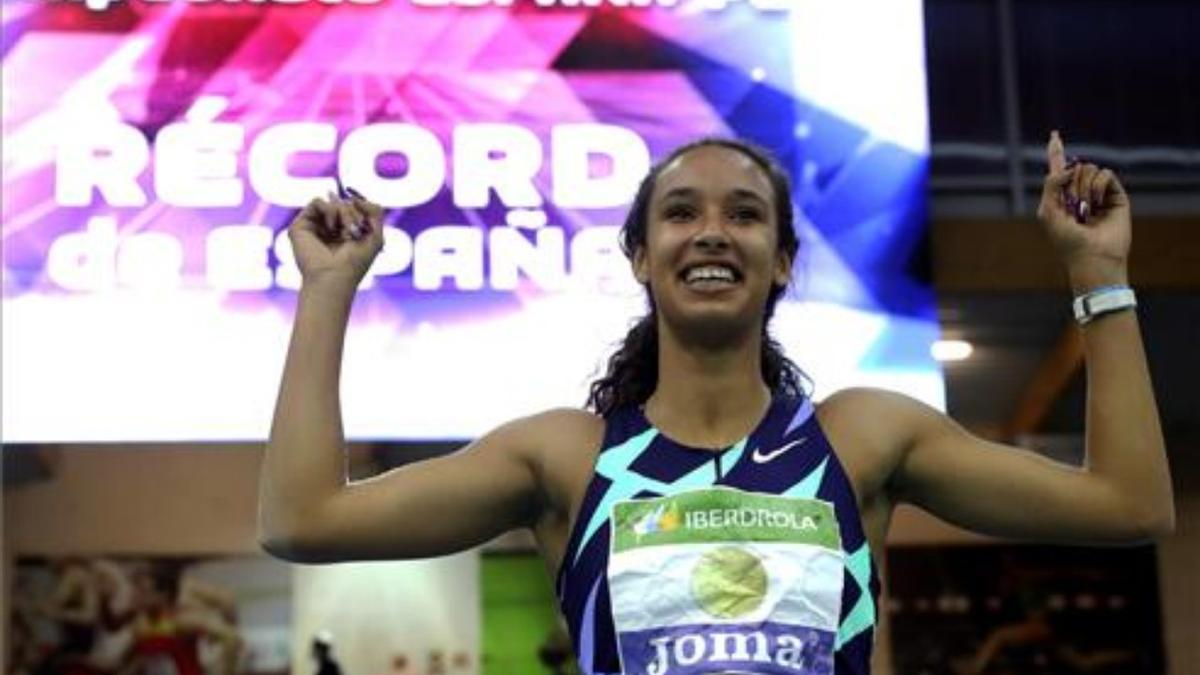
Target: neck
{"points": [[709, 397]]}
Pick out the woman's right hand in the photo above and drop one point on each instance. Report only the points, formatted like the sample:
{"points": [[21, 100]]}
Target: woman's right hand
{"points": [[337, 239]]}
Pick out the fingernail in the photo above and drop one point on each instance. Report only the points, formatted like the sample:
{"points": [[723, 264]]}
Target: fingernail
{"points": [[1071, 162], [354, 193], [356, 231], [1081, 211], [341, 189]]}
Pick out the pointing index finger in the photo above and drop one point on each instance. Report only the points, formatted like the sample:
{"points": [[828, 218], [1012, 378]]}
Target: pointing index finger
{"points": [[1055, 153]]}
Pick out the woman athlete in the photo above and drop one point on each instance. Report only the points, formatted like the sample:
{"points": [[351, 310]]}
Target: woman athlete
{"points": [[696, 517]]}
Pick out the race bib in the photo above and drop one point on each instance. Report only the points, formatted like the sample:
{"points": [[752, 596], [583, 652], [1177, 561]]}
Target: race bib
{"points": [[721, 580]]}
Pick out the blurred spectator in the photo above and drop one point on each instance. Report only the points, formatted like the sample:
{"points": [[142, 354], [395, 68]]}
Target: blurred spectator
{"points": [[322, 652]]}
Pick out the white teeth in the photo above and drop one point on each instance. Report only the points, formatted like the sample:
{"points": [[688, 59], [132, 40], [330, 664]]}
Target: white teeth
{"points": [[709, 272]]}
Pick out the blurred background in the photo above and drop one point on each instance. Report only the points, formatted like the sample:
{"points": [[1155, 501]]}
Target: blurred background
{"points": [[133, 417]]}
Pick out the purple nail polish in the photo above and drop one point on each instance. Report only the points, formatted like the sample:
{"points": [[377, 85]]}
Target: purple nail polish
{"points": [[341, 189], [354, 193]]}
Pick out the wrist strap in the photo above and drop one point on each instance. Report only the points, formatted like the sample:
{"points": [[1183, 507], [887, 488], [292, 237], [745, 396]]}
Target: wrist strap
{"points": [[1100, 301]]}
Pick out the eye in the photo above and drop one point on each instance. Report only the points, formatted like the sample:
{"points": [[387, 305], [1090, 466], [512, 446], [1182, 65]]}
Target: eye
{"points": [[679, 212], [746, 214]]}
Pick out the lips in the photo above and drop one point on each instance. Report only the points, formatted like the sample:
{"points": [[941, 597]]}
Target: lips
{"points": [[710, 274]]}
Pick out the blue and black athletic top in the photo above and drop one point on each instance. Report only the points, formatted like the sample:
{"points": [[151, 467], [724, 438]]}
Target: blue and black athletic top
{"points": [[787, 455]]}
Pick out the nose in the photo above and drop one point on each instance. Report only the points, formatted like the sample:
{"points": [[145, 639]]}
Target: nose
{"points": [[712, 235]]}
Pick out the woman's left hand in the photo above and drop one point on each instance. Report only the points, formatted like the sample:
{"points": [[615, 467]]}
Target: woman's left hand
{"points": [[1086, 213]]}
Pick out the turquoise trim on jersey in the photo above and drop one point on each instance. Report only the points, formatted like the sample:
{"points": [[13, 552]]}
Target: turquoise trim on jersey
{"points": [[858, 563], [732, 456], [808, 486], [614, 465], [862, 616]]}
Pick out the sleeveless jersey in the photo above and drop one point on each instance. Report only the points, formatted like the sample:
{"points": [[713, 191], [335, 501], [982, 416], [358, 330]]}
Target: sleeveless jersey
{"points": [[656, 600]]}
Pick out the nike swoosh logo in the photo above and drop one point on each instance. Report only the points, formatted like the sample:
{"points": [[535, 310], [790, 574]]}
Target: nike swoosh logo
{"points": [[764, 457]]}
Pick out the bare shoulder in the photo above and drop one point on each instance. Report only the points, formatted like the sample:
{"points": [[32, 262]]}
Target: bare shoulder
{"points": [[558, 427], [561, 444], [859, 400], [870, 429], [564, 438]]}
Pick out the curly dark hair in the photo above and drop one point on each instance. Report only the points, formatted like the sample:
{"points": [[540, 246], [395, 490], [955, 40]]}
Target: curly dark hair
{"points": [[632, 371]]}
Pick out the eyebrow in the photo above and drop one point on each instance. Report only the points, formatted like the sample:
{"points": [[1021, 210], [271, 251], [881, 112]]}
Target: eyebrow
{"points": [[738, 193], [741, 193]]}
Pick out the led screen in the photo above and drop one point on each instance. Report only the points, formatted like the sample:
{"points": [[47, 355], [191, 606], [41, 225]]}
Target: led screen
{"points": [[154, 153]]}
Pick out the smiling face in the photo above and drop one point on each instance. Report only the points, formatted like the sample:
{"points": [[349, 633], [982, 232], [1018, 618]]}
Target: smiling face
{"points": [[711, 255]]}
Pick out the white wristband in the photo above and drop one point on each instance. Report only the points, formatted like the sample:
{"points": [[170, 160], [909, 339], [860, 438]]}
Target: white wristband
{"points": [[1101, 301]]}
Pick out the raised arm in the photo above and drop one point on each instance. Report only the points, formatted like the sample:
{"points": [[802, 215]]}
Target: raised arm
{"points": [[308, 510], [1123, 494]]}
